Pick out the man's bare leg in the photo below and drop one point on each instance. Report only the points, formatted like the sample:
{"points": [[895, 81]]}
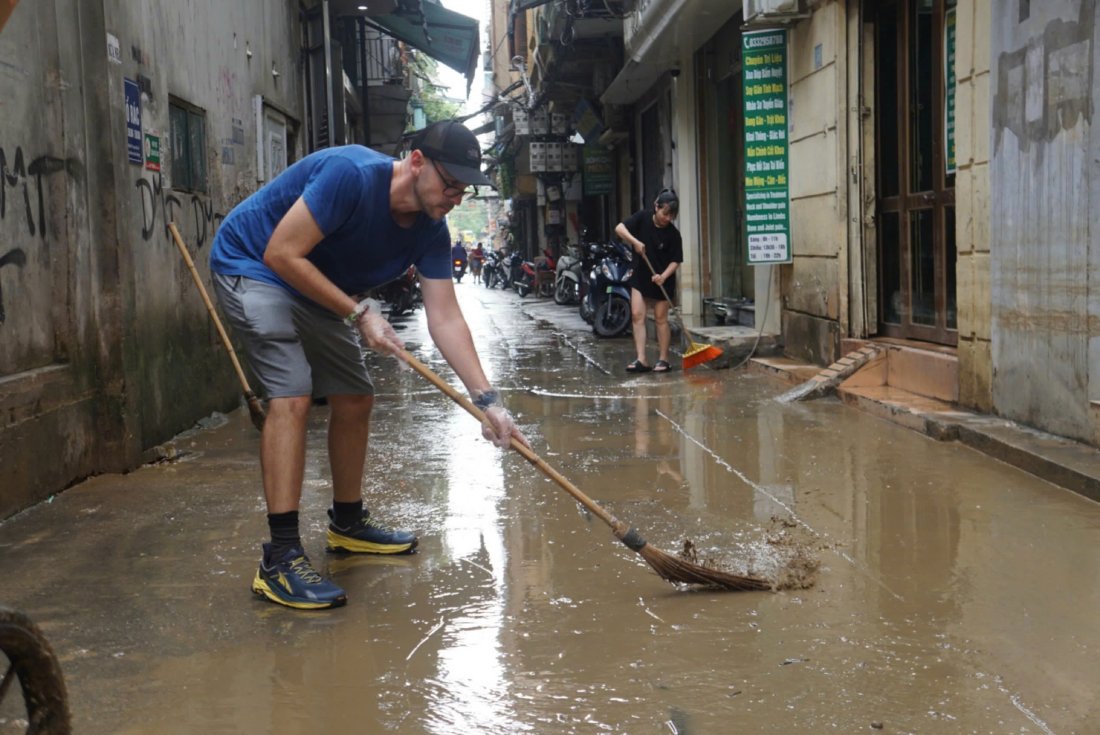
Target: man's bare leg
{"points": [[283, 452], [348, 433]]}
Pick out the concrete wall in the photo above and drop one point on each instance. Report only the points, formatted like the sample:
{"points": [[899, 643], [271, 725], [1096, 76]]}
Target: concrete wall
{"points": [[1043, 253], [105, 346], [811, 285], [972, 202]]}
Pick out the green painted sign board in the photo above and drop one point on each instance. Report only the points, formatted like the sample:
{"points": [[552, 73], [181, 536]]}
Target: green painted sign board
{"points": [[767, 194], [597, 169], [949, 88], [152, 152]]}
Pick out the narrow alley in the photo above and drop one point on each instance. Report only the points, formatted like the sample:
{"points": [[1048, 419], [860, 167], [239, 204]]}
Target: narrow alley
{"points": [[948, 581]]}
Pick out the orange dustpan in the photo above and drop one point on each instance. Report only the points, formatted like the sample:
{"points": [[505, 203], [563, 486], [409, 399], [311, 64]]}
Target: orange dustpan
{"points": [[694, 352]]}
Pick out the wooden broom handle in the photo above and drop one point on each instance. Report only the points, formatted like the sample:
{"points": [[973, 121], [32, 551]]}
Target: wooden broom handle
{"points": [[659, 285], [210, 307], [517, 445]]}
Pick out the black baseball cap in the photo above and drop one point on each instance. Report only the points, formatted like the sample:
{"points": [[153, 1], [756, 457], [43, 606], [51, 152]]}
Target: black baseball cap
{"points": [[451, 143]]}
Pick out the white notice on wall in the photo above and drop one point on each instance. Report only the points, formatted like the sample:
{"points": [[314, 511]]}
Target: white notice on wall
{"points": [[114, 49]]}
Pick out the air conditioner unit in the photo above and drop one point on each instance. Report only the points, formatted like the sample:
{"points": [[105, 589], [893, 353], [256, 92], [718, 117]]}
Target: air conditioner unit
{"points": [[771, 12]]}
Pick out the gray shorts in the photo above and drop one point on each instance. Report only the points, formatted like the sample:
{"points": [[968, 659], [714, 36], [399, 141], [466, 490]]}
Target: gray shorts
{"points": [[294, 346]]}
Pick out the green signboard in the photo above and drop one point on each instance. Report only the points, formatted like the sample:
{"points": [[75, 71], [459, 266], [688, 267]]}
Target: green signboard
{"points": [[767, 195], [152, 152], [949, 88], [597, 170]]}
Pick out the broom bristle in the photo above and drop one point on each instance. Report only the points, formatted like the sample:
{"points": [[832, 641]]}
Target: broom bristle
{"points": [[255, 411], [679, 570], [698, 354]]}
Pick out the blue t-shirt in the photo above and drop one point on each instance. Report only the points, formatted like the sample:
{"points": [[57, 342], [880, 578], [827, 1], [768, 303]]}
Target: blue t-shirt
{"points": [[347, 190]]}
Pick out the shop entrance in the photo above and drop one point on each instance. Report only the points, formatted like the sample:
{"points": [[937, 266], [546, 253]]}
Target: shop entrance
{"points": [[916, 169]]}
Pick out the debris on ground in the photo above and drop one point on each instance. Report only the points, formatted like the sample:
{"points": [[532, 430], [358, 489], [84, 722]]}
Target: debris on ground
{"points": [[788, 556]]}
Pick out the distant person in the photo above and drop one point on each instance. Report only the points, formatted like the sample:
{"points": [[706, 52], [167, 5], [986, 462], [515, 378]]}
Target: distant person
{"points": [[458, 251], [458, 261], [286, 263], [650, 231], [477, 258]]}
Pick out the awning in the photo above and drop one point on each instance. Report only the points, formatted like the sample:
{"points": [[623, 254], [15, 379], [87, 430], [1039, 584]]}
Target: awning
{"points": [[661, 33], [449, 37]]}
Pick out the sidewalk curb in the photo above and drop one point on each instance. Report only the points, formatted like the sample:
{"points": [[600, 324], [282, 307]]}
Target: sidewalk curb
{"points": [[1061, 461]]}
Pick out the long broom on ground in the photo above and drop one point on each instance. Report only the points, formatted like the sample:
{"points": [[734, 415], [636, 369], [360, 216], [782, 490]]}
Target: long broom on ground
{"points": [[693, 352], [255, 408], [671, 568]]}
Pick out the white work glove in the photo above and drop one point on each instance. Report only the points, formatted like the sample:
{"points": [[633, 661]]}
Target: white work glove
{"points": [[498, 427], [375, 330]]}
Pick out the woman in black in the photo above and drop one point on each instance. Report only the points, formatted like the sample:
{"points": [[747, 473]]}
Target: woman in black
{"points": [[652, 232]]}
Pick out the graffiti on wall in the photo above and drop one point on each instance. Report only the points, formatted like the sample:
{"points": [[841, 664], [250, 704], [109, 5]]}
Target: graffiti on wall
{"points": [[161, 206], [21, 194], [13, 257], [23, 200]]}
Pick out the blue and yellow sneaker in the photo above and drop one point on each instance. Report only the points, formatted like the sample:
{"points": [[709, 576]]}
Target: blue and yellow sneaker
{"points": [[292, 581], [364, 537]]}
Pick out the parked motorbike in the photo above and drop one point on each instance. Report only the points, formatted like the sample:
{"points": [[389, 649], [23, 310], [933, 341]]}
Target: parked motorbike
{"points": [[511, 270], [608, 295], [591, 255], [567, 277], [529, 275], [401, 295]]}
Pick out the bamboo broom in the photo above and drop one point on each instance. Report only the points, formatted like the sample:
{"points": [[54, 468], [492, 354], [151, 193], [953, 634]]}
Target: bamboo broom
{"points": [[671, 568]]}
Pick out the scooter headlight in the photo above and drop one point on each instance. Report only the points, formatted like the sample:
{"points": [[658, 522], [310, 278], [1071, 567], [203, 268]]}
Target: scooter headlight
{"points": [[606, 271], [629, 273]]}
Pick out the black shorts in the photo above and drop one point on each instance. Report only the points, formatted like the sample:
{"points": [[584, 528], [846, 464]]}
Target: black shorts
{"points": [[650, 290]]}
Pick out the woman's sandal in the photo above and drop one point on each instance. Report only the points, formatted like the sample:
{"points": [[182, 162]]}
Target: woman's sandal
{"points": [[662, 366], [638, 367]]}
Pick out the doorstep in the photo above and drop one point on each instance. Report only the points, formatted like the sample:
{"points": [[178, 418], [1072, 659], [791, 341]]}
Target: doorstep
{"points": [[1064, 462]]}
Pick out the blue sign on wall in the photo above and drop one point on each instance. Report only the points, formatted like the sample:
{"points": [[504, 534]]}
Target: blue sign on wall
{"points": [[133, 120]]}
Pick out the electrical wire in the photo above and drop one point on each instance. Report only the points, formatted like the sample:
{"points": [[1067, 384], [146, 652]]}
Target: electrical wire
{"points": [[763, 320]]}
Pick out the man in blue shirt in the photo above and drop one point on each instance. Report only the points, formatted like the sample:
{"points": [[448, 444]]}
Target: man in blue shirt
{"points": [[286, 264]]}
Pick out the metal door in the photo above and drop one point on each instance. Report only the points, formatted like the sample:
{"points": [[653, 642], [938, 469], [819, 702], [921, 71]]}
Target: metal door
{"points": [[916, 180]]}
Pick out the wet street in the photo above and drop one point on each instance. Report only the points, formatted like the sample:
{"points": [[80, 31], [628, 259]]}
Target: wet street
{"points": [[955, 595]]}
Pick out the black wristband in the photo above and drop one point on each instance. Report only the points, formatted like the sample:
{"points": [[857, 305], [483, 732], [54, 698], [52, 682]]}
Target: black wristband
{"points": [[487, 398]]}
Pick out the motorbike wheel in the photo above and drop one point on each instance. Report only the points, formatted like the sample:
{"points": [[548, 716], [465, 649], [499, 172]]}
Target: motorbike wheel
{"points": [[546, 288], [523, 289], [565, 292], [586, 310], [27, 656], [612, 317]]}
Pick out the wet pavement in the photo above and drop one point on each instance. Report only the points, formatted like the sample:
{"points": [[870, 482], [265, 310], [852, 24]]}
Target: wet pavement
{"points": [[956, 594]]}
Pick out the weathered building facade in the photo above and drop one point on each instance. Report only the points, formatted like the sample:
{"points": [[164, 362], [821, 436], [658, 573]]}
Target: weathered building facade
{"points": [[1040, 283], [119, 118], [940, 163]]}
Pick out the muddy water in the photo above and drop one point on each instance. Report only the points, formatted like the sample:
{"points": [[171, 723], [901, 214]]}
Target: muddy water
{"points": [[955, 595]]}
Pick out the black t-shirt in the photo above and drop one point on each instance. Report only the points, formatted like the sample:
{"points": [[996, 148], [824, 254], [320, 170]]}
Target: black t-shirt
{"points": [[662, 246]]}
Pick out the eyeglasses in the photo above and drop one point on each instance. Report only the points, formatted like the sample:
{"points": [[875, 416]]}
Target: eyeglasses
{"points": [[451, 187]]}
